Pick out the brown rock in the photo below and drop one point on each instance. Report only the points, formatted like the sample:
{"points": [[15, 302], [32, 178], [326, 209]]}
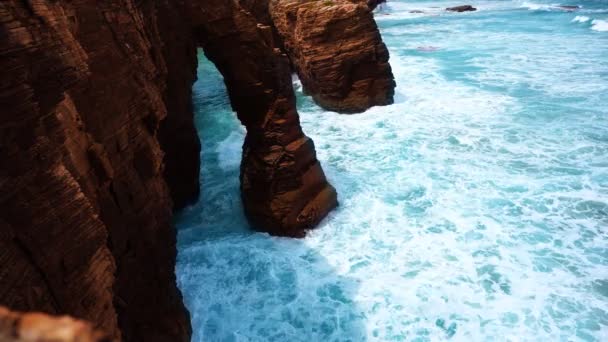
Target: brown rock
{"points": [[337, 51], [283, 187], [39, 327], [372, 4], [98, 144], [85, 224]]}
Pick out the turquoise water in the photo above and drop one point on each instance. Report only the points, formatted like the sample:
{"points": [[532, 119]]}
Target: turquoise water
{"points": [[474, 208]]}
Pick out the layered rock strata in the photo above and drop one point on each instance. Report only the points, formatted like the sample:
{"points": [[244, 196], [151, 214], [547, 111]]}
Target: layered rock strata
{"points": [[98, 144], [337, 51], [85, 218], [283, 187]]}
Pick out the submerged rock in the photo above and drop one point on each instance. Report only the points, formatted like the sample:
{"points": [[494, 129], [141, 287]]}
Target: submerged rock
{"points": [[569, 8], [462, 8]]}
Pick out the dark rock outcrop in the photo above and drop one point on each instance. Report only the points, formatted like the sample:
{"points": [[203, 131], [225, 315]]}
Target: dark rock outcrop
{"points": [[39, 327], [85, 224], [569, 8], [372, 4], [283, 187], [337, 52], [462, 8], [98, 144]]}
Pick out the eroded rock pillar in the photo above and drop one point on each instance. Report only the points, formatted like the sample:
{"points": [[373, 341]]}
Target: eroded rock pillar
{"points": [[284, 189]]}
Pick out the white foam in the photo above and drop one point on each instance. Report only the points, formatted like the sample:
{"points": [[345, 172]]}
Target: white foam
{"points": [[599, 25], [535, 7], [229, 150], [458, 215], [580, 19]]}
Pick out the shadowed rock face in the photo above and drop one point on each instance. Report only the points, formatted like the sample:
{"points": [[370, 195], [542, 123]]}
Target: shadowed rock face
{"points": [[98, 145], [97, 140], [85, 224], [283, 187], [337, 51], [372, 4], [37, 327]]}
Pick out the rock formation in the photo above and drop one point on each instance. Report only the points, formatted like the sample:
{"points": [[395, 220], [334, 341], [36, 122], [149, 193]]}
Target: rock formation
{"points": [[39, 327], [462, 8], [372, 4], [337, 51], [569, 8], [283, 187], [98, 144], [85, 224]]}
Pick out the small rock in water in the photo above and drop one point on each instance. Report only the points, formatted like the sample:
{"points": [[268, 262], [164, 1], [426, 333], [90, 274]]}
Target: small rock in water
{"points": [[462, 8], [569, 8], [416, 11]]}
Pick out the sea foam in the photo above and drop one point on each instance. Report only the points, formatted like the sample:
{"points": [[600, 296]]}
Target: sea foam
{"points": [[599, 25], [581, 19], [473, 208]]}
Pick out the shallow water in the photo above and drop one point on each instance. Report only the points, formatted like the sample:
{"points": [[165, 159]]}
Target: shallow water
{"points": [[474, 208]]}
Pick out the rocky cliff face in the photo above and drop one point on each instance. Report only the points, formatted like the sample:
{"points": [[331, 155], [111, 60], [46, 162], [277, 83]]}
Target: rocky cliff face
{"points": [[85, 224], [337, 51], [98, 145], [283, 187]]}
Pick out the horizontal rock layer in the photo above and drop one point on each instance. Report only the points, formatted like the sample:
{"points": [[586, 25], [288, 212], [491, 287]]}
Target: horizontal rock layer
{"points": [[98, 144], [283, 187], [85, 224], [337, 51]]}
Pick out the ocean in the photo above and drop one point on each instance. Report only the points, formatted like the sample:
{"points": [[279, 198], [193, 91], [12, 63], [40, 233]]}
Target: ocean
{"points": [[475, 208]]}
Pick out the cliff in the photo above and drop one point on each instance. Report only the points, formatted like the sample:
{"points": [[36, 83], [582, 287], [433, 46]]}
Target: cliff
{"points": [[86, 212], [98, 146]]}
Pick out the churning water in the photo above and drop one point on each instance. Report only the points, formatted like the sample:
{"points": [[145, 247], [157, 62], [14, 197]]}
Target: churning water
{"points": [[474, 208]]}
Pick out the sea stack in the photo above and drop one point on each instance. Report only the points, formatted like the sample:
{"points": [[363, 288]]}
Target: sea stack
{"points": [[337, 52]]}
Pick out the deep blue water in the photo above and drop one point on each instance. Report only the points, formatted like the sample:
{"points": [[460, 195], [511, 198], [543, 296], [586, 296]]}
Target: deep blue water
{"points": [[474, 208]]}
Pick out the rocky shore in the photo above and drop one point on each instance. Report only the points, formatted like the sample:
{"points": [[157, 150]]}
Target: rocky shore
{"points": [[98, 144]]}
